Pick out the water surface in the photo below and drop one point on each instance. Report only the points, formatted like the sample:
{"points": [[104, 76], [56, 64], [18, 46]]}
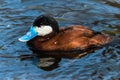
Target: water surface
{"points": [[16, 16]]}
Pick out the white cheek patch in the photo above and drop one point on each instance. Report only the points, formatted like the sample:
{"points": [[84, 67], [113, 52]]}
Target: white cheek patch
{"points": [[43, 30]]}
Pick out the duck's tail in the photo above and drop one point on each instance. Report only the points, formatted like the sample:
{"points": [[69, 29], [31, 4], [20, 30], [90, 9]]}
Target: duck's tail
{"points": [[100, 39]]}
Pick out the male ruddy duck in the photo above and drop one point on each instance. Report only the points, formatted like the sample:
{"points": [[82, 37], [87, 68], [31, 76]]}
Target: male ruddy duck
{"points": [[45, 35]]}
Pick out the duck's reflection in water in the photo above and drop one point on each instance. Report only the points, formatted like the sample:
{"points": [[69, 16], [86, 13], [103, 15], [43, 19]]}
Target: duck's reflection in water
{"points": [[50, 60], [48, 63]]}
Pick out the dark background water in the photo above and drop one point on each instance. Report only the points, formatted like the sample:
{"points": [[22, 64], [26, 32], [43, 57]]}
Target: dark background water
{"points": [[100, 15]]}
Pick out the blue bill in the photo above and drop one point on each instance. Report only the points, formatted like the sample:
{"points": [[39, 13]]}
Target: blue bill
{"points": [[29, 35]]}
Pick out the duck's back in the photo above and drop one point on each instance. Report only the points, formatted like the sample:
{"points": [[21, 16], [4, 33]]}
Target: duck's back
{"points": [[71, 38]]}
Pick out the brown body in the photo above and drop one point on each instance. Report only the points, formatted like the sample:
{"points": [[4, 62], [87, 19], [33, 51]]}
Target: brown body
{"points": [[74, 37]]}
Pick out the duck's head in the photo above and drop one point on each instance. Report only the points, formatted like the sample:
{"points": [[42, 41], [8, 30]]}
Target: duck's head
{"points": [[42, 26]]}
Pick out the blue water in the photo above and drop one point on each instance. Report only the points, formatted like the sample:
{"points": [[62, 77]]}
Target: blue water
{"points": [[16, 16]]}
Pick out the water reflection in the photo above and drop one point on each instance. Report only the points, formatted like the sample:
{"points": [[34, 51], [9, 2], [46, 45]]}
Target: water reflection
{"points": [[48, 64]]}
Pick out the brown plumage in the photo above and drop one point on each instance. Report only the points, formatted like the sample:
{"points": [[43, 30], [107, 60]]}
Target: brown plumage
{"points": [[74, 37], [69, 41]]}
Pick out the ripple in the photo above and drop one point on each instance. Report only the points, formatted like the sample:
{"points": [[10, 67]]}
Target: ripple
{"points": [[16, 16]]}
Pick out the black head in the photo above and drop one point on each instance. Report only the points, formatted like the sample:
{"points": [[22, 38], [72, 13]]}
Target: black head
{"points": [[46, 20]]}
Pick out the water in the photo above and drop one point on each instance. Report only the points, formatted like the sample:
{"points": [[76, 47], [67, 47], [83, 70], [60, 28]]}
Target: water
{"points": [[100, 15]]}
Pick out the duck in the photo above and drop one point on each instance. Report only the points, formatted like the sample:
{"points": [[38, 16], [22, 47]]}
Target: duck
{"points": [[46, 35]]}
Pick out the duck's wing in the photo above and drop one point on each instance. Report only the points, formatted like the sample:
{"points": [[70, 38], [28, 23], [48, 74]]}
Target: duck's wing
{"points": [[78, 30]]}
